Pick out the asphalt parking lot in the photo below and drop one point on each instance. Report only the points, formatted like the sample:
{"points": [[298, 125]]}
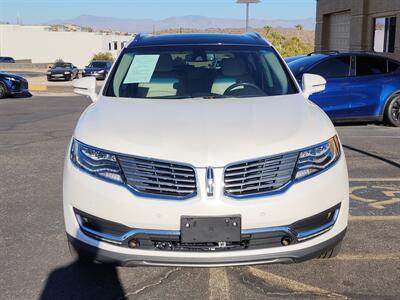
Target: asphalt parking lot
{"points": [[35, 262]]}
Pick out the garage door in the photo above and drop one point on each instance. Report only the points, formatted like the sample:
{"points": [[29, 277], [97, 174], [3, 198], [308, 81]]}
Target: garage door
{"points": [[339, 31]]}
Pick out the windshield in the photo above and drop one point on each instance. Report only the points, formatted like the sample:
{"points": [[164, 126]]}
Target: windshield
{"points": [[97, 64], [199, 71], [62, 65]]}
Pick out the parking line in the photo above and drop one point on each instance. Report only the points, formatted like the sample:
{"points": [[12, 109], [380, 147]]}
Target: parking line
{"points": [[374, 218], [373, 179], [368, 257], [218, 284], [292, 284]]}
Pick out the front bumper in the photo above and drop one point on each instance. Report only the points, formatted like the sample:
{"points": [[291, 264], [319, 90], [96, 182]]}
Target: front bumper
{"points": [[123, 259], [101, 76], [61, 77], [17, 87]]}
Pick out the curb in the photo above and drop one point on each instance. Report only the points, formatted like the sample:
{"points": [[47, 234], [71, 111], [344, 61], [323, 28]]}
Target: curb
{"points": [[37, 87]]}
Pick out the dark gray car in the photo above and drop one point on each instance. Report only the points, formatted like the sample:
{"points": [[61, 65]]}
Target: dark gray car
{"points": [[98, 69], [62, 71]]}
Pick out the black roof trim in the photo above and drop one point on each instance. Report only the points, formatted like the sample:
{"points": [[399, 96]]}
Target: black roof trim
{"points": [[248, 38]]}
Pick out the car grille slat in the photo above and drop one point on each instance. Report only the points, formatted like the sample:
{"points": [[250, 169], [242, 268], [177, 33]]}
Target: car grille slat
{"points": [[159, 171], [259, 176], [258, 181], [263, 162], [286, 166], [157, 177], [263, 173], [156, 164], [146, 175]]}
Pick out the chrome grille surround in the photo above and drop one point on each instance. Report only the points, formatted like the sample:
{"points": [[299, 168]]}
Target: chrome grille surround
{"points": [[259, 177], [158, 178]]}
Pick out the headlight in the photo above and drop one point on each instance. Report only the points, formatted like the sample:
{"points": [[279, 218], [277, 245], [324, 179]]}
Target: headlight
{"points": [[101, 72], [95, 162], [48, 73], [318, 158], [66, 73], [10, 78]]}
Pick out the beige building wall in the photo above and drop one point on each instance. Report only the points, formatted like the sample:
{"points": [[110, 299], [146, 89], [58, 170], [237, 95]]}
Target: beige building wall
{"points": [[362, 15], [43, 46]]}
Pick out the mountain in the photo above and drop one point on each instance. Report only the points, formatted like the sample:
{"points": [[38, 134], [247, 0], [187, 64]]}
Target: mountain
{"points": [[193, 21]]}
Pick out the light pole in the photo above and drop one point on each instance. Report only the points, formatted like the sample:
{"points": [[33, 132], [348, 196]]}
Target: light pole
{"points": [[247, 2]]}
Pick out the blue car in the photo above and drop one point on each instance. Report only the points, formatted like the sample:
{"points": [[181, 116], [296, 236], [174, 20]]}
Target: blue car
{"points": [[360, 86], [12, 84]]}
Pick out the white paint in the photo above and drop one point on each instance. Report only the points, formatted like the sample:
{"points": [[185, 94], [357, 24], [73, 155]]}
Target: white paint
{"points": [[44, 46], [218, 284]]}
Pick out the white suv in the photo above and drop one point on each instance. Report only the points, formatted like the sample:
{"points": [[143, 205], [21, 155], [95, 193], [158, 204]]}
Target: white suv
{"points": [[202, 150]]}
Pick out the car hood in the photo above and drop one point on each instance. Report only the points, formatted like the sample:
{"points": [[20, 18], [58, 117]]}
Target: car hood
{"points": [[15, 76], [60, 70], [204, 132]]}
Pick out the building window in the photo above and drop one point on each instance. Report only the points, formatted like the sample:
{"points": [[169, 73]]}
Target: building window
{"points": [[115, 45], [109, 46], [385, 34]]}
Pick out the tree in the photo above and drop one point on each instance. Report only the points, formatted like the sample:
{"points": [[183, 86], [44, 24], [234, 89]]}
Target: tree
{"points": [[59, 60], [267, 29], [287, 46], [299, 27], [103, 56]]}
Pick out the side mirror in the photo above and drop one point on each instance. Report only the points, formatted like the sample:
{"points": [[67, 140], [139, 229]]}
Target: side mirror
{"points": [[312, 84], [86, 86]]}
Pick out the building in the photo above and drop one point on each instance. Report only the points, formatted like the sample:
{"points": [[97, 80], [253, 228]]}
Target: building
{"points": [[42, 44], [359, 25]]}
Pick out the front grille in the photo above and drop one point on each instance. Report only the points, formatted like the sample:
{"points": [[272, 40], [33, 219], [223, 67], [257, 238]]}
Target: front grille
{"points": [[156, 177], [259, 176], [24, 85]]}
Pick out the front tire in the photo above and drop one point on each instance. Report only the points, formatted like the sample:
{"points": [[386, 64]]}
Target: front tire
{"points": [[392, 113], [3, 91]]}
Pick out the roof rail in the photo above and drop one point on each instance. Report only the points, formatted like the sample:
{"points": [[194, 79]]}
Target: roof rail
{"points": [[324, 52], [138, 37]]}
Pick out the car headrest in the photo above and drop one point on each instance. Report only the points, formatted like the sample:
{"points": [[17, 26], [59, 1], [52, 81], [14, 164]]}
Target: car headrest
{"points": [[164, 64], [233, 67]]}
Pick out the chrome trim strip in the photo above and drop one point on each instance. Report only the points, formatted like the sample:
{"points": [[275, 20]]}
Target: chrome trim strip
{"points": [[119, 239], [305, 235], [300, 236]]}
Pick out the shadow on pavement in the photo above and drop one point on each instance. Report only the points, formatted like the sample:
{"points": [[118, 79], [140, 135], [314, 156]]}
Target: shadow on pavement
{"points": [[381, 158], [83, 281], [22, 96]]}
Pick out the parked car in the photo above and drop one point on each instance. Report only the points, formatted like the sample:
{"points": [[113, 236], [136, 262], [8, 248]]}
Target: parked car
{"points": [[6, 59], [98, 69], [360, 86], [12, 84], [62, 71], [202, 150]]}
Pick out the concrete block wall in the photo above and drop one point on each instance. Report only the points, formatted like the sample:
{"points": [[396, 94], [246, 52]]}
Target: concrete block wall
{"points": [[363, 13]]}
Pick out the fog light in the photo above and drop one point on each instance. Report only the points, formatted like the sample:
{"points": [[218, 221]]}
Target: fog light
{"points": [[285, 241], [133, 244]]}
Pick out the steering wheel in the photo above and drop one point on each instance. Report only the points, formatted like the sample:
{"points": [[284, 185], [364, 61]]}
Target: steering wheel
{"points": [[230, 89]]}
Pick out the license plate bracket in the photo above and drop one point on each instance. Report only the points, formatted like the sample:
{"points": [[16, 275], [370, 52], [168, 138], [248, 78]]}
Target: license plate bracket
{"points": [[210, 229]]}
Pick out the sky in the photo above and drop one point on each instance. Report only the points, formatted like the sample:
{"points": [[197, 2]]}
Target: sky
{"points": [[41, 11]]}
